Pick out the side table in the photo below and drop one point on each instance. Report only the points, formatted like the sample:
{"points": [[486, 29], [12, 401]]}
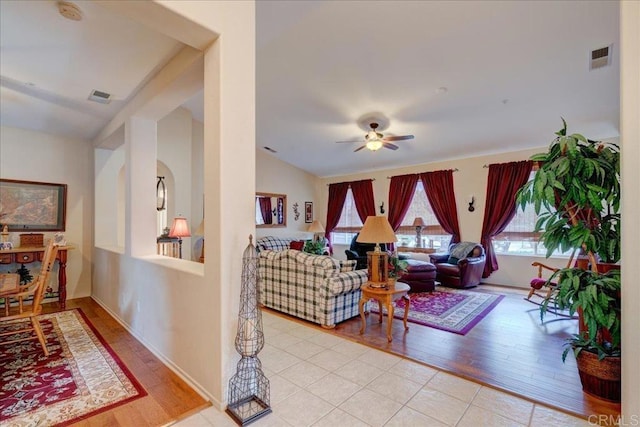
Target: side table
{"points": [[385, 296]]}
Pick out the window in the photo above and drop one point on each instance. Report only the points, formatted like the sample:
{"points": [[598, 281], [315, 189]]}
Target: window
{"points": [[349, 224], [518, 238], [433, 235]]}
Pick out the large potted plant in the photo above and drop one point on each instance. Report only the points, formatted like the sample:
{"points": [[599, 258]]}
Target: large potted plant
{"points": [[576, 194]]}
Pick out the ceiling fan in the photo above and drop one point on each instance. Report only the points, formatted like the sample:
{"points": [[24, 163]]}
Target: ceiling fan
{"points": [[374, 140]]}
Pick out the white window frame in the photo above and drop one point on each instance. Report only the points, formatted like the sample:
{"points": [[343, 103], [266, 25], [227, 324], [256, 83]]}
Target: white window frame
{"points": [[519, 240], [433, 235], [349, 224]]}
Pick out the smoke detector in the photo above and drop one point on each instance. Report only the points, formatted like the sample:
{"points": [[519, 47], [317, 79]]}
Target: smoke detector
{"points": [[600, 57], [69, 10]]}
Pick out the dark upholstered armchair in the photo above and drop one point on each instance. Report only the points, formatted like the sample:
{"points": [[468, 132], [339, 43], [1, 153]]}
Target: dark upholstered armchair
{"points": [[461, 266], [358, 251]]}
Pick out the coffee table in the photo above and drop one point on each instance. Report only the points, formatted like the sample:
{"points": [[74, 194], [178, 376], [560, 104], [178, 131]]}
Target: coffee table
{"points": [[385, 296]]}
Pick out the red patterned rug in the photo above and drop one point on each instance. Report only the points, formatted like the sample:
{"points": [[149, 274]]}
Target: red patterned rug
{"points": [[81, 377], [452, 310]]}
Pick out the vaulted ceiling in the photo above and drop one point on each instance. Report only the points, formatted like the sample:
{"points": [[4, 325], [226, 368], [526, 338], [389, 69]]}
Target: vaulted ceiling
{"points": [[466, 77]]}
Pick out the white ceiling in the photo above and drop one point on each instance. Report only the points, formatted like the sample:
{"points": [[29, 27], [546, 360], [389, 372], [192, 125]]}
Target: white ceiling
{"points": [[511, 69], [51, 64]]}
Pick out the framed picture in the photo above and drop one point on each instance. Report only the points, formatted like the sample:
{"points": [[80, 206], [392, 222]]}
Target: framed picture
{"points": [[308, 212], [32, 206]]}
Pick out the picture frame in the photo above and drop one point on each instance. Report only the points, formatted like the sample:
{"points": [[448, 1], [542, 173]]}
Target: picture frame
{"points": [[308, 212], [32, 205]]}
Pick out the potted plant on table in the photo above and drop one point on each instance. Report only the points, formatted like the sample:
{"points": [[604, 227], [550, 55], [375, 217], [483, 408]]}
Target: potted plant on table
{"points": [[576, 194], [397, 267]]}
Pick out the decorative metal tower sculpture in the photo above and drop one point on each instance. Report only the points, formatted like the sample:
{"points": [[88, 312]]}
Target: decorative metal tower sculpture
{"points": [[249, 388]]}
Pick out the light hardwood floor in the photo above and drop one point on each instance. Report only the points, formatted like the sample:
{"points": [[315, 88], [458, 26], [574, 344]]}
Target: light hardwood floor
{"points": [[169, 398]]}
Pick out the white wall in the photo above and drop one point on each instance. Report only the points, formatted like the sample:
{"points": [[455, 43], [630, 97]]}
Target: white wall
{"points": [[470, 179], [275, 176], [630, 135], [35, 156], [187, 312]]}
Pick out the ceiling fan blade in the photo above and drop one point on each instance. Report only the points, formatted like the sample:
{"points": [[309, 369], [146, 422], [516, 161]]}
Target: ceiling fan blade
{"points": [[390, 146], [359, 148], [397, 138], [350, 140]]}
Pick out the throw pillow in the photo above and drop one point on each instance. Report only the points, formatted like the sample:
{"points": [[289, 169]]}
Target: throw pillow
{"points": [[296, 244], [453, 260], [346, 266]]}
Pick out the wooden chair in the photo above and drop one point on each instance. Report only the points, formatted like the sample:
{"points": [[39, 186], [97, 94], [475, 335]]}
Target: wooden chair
{"points": [[35, 290], [540, 283]]}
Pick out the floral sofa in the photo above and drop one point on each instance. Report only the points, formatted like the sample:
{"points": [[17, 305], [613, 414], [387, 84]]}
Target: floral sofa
{"points": [[317, 288]]}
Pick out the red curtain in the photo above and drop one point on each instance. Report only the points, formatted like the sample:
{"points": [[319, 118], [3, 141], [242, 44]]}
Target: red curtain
{"points": [[337, 196], [439, 188], [265, 209], [401, 190], [504, 181], [363, 197]]}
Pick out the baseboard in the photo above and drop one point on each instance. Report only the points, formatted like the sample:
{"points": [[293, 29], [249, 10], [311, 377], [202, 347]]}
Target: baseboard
{"points": [[165, 360]]}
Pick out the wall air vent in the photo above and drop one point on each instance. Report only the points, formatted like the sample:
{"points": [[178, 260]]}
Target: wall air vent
{"points": [[270, 149], [600, 58], [99, 96]]}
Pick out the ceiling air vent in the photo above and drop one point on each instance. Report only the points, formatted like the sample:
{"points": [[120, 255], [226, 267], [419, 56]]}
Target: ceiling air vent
{"points": [[99, 96], [600, 58]]}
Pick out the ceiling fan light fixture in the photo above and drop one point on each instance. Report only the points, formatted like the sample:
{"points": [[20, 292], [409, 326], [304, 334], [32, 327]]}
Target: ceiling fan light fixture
{"points": [[372, 135], [374, 144]]}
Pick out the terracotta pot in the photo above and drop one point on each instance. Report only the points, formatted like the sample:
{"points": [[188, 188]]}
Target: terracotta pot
{"points": [[600, 378], [605, 267]]}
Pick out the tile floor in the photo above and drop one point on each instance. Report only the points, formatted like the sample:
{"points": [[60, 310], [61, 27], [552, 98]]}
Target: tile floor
{"points": [[319, 379]]}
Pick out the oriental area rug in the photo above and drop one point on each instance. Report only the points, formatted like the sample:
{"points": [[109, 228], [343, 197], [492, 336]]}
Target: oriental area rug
{"points": [[81, 377], [451, 310]]}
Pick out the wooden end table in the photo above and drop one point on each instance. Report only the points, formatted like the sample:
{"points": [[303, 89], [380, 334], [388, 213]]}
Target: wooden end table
{"points": [[385, 296]]}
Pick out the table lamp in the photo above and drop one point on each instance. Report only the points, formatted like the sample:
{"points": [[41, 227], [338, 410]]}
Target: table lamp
{"points": [[376, 229], [200, 232], [419, 224], [316, 228], [179, 229]]}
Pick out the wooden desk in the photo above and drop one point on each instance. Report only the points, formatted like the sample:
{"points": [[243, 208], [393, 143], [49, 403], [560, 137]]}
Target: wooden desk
{"points": [[385, 296], [29, 254]]}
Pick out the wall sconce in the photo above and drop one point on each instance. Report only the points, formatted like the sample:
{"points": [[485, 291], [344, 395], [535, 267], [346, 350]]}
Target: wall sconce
{"points": [[180, 229], [161, 194], [472, 201], [381, 208]]}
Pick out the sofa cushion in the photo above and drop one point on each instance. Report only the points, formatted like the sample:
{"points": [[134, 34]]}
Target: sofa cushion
{"points": [[349, 265], [298, 245], [415, 266], [272, 243], [448, 269]]}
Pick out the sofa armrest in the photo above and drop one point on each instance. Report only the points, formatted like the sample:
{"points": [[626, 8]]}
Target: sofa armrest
{"points": [[472, 261], [343, 283], [471, 270], [438, 258]]}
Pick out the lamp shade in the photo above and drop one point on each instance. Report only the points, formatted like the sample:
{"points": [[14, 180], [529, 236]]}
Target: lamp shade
{"points": [[200, 230], [376, 229], [419, 222], [179, 228], [315, 227]]}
